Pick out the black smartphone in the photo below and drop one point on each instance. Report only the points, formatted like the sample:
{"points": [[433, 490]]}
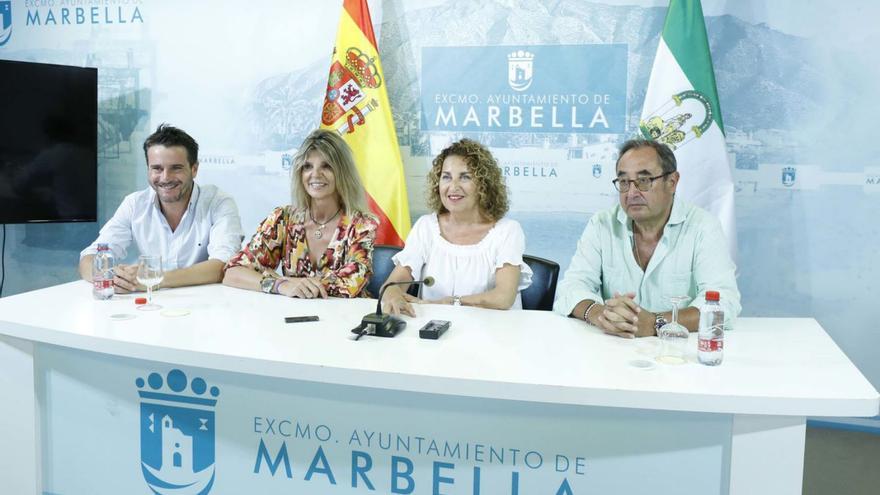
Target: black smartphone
{"points": [[300, 319]]}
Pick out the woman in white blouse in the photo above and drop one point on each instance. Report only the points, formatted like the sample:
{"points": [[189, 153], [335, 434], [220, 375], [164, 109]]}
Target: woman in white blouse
{"points": [[473, 253]]}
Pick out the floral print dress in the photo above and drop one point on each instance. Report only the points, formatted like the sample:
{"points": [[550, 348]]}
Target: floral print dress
{"points": [[344, 267]]}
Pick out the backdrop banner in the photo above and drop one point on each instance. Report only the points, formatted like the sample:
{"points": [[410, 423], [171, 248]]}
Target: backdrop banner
{"points": [[553, 88]]}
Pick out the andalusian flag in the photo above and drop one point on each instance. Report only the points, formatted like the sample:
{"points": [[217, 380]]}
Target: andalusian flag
{"points": [[356, 106], [681, 109]]}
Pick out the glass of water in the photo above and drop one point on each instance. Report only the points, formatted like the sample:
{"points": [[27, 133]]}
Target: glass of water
{"points": [[673, 337], [150, 274]]}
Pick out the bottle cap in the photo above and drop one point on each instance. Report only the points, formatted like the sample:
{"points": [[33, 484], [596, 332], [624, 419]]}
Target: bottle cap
{"points": [[712, 295], [140, 300]]}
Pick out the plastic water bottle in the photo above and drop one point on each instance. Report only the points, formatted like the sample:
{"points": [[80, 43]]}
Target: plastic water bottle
{"points": [[102, 273], [710, 347]]}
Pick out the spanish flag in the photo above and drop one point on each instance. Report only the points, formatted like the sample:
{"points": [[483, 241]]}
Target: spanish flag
{"points": [[356, 106]]}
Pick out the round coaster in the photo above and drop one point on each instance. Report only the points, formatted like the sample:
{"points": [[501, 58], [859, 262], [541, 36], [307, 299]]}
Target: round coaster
{"points": [[674, 360], [122, 316], [174, 313], [642, 364]]}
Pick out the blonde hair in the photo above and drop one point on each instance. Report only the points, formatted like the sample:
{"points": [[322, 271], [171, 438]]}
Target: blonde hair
{"points": [[491, 189], [338, 155]]}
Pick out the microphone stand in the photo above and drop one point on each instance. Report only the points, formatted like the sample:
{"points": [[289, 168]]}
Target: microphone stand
{"points": [[383, 325]]}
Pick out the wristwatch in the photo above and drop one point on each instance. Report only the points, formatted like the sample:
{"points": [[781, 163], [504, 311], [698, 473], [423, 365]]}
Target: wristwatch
{"points": [[267, 285], [456, 300], [659, 321]]}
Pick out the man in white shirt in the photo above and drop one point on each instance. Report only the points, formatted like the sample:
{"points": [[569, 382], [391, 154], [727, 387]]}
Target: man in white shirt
{"points": [[633, 258], [195, 229]]}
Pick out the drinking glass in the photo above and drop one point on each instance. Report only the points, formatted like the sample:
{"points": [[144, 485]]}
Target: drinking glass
{"points": [[150, 274], [673, 337]]}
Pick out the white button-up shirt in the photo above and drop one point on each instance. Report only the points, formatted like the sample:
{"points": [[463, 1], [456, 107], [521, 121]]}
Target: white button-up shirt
{"points": [[210, 229]]}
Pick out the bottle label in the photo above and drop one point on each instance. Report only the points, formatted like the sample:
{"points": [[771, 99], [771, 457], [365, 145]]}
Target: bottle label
{"points": [[710, 345], [101, 284]]}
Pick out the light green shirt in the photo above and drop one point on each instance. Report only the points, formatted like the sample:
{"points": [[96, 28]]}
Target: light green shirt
{"points": [[691, 258]]}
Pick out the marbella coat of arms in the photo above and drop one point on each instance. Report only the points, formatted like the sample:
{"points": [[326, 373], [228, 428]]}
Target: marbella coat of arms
{"points": [[177, 433]]}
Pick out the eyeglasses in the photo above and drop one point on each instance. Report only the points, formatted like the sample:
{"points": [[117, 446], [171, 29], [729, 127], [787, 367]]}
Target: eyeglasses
{"points": [[642, 183]]}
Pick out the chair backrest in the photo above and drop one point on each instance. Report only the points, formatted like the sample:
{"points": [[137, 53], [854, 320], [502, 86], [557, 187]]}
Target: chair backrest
{"points": [[382, 267], [540, 294]]}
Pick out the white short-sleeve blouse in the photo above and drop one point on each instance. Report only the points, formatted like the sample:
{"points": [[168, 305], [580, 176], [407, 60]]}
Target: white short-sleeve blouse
{"points": [[461, 270]]}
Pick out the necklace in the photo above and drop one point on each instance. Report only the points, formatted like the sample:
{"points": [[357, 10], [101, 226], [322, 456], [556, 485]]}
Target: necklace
{"points": [[638, 258], [319, 232], [636, 249]]}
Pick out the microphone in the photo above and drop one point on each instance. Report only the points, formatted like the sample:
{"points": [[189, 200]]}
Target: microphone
{"points": [[382, 325]]}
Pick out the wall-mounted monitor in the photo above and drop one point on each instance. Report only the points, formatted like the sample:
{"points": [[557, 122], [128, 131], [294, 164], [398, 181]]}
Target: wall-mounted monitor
{"points": [[48, 143]]}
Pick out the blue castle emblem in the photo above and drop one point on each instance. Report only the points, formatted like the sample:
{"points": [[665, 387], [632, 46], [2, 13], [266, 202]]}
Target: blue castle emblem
{"points": [[5, 21], [597, 170], [520, 65], [788, 176], [286, 161], [177, 433]]}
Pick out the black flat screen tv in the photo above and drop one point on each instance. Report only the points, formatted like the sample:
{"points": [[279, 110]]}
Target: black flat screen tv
{"points": [[48, 143]]}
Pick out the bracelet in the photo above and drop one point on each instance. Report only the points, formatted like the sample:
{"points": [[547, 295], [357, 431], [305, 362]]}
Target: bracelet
{"points": [[587, 312], [277, 285]]}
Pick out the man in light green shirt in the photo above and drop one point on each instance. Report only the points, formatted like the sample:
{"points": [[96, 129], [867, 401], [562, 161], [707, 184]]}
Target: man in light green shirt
{"points": [[633, 258]]}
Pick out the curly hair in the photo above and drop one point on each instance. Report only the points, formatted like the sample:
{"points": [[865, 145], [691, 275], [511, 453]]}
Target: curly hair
{"points": [[491, 188]]}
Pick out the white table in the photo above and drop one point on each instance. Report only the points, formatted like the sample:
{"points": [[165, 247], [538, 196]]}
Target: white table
{"points": [[775, 371]]}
